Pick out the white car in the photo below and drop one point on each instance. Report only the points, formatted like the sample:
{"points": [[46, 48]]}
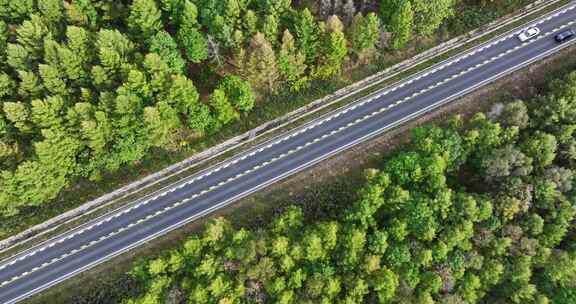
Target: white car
{"points": [[529, 33]]}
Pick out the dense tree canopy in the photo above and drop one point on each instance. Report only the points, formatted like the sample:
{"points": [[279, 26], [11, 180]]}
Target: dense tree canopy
{"points": [[115, 77]]}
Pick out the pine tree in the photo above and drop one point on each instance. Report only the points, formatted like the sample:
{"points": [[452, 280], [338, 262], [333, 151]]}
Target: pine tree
{"points": [[97, 132], [194, 44], [291, 63], [429, 14], [16, 11], [173, 9], [53, 79], [79, 41], [7, 86], [73, 66], [18, 57], [260, 66], [19, 115], [158, 73], [275, 7], [164, 45], [363, 34], [189, 17], [250, 23], [30, 185], [30, 35], [51, 48], [307, 35], [48, 113], [30, 86], [388, 8], [184, 97], [145, 18], [57, 152], [270, 28], [333, 49], [3, 42], [160, 121], [53, 13], [401, 25], [114, 51], [114, 42], [81, 13]]}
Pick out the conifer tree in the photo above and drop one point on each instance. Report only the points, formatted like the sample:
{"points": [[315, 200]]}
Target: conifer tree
{"points": [[429, 14], [250, 23], [388, 8], [53, 13], [16, 11], [194, 44], [79, 41], [401, 25], [145, 18], [363, 34], [291, 63], [73, 66], [48, 113], [29, 86], [270, 28], [82, 13], [53, 79], [7, 86], [18, 114], [307, 35], [30, 35], [260, 66], [173, 9], [333, 49], [3, 41], [160, 121], [164, 45], [18, 57], [189, 17]]}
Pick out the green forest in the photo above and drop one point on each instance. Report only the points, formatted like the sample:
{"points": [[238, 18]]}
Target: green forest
{"points": [[89, 86], [470, 211]]}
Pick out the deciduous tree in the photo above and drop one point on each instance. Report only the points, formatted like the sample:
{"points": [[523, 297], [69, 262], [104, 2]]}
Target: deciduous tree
{"points": [[239, 92], [225, 112]]}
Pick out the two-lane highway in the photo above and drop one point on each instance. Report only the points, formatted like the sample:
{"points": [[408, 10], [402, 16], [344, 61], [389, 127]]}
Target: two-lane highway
{"points": [[112, 234]]}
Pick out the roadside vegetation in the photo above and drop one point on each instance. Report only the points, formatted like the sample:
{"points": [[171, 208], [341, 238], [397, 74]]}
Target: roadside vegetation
{"points": [[90, 88], [470, 211]]}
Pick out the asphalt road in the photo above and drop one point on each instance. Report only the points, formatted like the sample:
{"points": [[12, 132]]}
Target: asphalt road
{"points": [[88, 245]]}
